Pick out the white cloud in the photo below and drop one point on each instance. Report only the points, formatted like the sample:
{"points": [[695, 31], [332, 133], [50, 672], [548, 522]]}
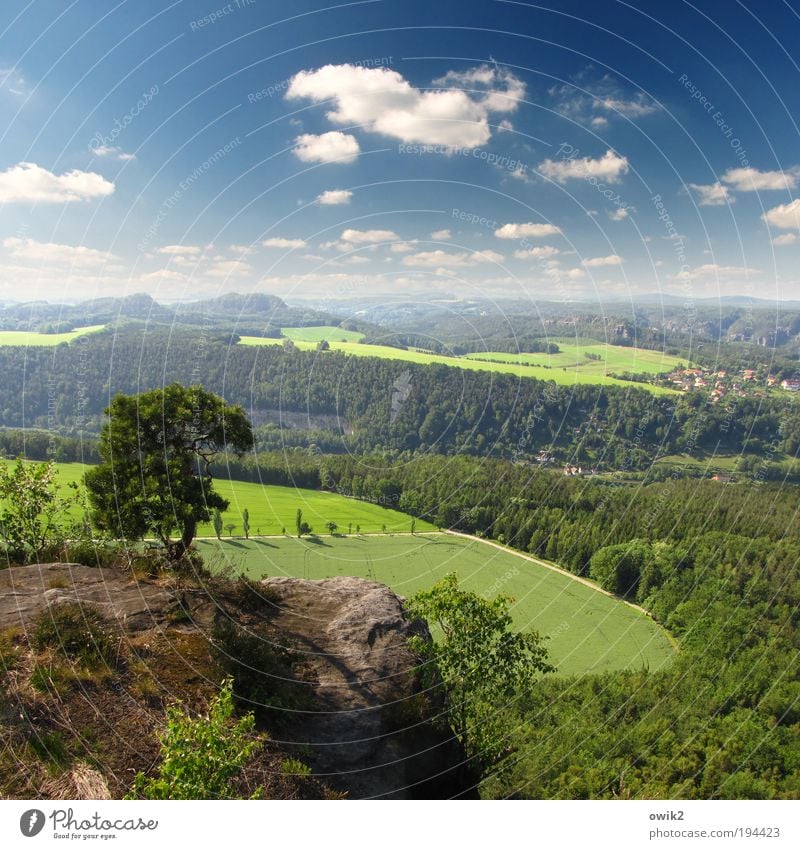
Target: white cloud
{"points": [[356, 260], [753, 180], [229, 268], [714, 194], [30, 183], [328, 147], [180, 250], [576, 274], [112, 153], [609, 168], [618, 214], [367, 237], [50, 253], [527, 230], [278, 242], [441, 235], [591, 101], [786, 216], [443, 259], [712, 269], [602, 261], [334, 197], [784, 239], [403, 247], [162, 275], [543, 252], [12, 81], [381, 100]]}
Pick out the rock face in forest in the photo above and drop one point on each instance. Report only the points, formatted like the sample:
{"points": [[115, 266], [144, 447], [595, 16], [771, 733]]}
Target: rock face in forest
{"points": [[362, 724], [369, 732]]}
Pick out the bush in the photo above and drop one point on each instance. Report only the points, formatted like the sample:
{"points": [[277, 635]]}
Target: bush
{"points": [[80, 633], [201, 757]]}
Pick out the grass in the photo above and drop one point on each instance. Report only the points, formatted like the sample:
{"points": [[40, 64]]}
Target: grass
{"points": [[588, 631], [568, 374], [317, 334], [613, 358], [272, 508], [44, 340]]}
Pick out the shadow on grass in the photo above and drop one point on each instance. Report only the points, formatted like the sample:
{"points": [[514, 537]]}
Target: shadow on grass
{"points": [[264, 542], [318, 541]]}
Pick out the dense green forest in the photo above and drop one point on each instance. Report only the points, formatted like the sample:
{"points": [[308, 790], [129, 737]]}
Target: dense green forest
{"points": [[345, 404]]}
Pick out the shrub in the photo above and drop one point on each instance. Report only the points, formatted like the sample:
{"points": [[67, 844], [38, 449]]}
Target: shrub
{"points": [[80, 633], [201, 757]]}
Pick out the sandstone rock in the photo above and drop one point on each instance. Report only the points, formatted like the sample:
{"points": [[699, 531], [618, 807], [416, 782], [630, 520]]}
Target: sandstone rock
{"points": [[371, 731]]}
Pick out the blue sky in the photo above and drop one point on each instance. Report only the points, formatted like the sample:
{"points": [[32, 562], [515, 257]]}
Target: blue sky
{"points": [[379, 148]]}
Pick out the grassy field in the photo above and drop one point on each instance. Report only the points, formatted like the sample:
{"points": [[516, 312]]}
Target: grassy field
{"points": [[48, 340], [273, 508], [566, 375], [317, 334], [613, 358], [588, 631]]}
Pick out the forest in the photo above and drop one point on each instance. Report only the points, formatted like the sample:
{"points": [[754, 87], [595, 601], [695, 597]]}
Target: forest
{"points": [[344, 404]]}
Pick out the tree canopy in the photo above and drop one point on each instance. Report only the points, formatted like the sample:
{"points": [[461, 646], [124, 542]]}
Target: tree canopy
{"points": [[156, 450]]}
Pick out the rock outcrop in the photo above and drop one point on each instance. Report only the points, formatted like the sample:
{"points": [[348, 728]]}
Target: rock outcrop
{"points": [[365, 728], [371, 731]]}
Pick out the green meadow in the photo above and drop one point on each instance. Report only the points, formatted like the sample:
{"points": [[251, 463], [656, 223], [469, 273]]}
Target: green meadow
{"points": [[587, 630], [566, 368], [273, 508], [317, 334], [46, 340]]}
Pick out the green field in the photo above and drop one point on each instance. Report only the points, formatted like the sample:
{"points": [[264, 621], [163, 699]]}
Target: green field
{"points": [[568, 374], [613, 358], [48, 340], [588, 631], [317, 334], [273, 508]]}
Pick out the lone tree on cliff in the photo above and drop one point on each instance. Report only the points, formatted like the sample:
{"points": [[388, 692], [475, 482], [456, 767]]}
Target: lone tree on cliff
{"points": [[157, 448]]}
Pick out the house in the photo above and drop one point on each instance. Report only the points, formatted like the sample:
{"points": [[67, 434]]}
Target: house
{"points": [[749, 374], [791, 385]]}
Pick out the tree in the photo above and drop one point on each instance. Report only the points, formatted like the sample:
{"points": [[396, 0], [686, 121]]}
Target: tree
{"points": [[156, 451], [481, 661], [229, 528], [246, 523], [33, 512], [298, 521], [217, 520], [331, 526], [201, 757], [304, 529], [350, 529], [413, 526], [323, 345]]}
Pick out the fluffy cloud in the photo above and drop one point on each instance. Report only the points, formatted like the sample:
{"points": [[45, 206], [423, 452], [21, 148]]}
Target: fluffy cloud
{"points": [[602, 261], [619, 214], [753, 180], [381, 100], [608, 168], [12, 81], [328, 147], [526, 231], [443, 259], [544, 252], [277, 242], [334, 197], [786, 216], [714, 194], [784, 239], [441, 235], [180, 250], [113, 153], [368, 237], [52, 254], [30, 183]]}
